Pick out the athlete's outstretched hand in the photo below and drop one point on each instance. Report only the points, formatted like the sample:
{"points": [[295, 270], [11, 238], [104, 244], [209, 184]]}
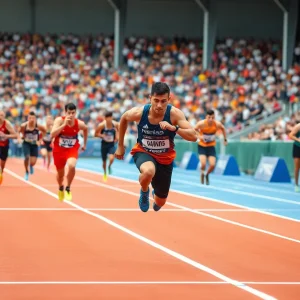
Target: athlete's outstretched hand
{"points": [[83, 148], [119, 154], [165, 125]]}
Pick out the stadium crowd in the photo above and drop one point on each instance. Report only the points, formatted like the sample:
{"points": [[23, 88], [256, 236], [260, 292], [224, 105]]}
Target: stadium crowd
{"points": [[42, 73]]}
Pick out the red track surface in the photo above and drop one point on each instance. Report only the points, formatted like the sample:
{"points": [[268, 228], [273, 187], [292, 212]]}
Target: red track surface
{"points": [[70, 245]]}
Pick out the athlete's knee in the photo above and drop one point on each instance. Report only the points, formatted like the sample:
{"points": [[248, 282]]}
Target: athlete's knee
{"points": [[60, 173], [148, 172], [72, 163]]}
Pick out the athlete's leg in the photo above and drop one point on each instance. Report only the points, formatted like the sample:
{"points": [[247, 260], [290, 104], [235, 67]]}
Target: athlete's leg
{"points": [[44, 155], [212, 165], [3, 158], [34, 153], [60, 162], [211, 154], [104, 152], [26, 152], [161, 185], [147, 167], [297, 168], [203, 160], [296, 156], [111, 157], [49, 156], [60, 178], [71, 163]]}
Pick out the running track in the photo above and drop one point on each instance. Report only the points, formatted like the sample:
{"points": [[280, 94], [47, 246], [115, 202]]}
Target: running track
{"points": [[100, 246]]}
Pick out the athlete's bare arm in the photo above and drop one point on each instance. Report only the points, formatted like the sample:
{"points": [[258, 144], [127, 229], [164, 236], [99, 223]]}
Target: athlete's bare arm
{"points": [[117, 127], [22, 128], [199, 125], [58, 125], [132, 115], [82, 126], [198, 128], [186, 130], [293, 133], [222, 128], [98, 130], [12, 133], [43, 130]]}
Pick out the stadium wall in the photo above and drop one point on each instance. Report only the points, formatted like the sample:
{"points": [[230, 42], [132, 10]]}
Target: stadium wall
{"points": [[247, 18]]}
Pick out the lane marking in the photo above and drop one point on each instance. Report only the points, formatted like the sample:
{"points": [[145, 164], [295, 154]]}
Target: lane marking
{"points": [[200, 197], [138, 283], [154, 244]]}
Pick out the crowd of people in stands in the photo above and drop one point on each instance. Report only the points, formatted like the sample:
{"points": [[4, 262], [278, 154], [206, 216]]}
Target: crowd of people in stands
{"points": [[277, 131], [244, 84]]}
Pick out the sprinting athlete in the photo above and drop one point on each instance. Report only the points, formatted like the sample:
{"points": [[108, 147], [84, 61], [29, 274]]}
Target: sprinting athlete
{"points": [[66, 148], [46, 148], [207, 141], [295, 135], [6, 132], [108, 132], [32, 134], [154, 152]]}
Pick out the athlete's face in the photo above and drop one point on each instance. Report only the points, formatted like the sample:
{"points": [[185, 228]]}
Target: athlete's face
{"points": [[108, 119], [2, 116], [31, 119], [71, 114], [210, 118], [49, 120], [160, 103]]}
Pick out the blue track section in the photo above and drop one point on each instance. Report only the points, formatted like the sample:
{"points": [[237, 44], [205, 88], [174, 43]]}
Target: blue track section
{"points": [[276, 198]]}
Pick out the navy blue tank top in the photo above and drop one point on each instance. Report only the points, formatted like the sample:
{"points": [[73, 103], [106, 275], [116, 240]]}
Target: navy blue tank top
{"points": [[109, 135], [47, 138], [31, 136], [151, 137]]}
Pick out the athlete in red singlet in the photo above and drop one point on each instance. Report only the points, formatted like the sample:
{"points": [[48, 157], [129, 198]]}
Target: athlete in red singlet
{"points": [[66, 147], [6, 132]]}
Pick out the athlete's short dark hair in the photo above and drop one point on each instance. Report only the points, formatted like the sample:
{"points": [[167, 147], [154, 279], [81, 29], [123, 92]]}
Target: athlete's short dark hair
{"points": [[108, 114], [32, 113], [160, 88], [210, 112], [70, 106]]}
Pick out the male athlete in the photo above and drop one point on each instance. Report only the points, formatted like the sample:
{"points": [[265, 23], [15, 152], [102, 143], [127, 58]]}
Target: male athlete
{"points": [[206, 147], [6, 132], [46, 148], [66, 147], [295, 135], [108, 132], [154, 153], [32, 134]]}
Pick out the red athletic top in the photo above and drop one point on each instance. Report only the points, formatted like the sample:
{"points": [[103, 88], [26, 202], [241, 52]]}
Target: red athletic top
{"points": [[4, 142], [68, 138]]}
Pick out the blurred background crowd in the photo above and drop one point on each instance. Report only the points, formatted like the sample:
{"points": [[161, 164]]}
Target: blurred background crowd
{"points": [[246, 81]]}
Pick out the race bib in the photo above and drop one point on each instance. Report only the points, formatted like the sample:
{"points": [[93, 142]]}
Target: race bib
{"points": [[208, 138], [31, 138], [47, 138], [109, 138], [67, 142], [156, 144]]}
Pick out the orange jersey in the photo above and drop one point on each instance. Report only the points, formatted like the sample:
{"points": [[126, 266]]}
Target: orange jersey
{"points": [[208, 134]]}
